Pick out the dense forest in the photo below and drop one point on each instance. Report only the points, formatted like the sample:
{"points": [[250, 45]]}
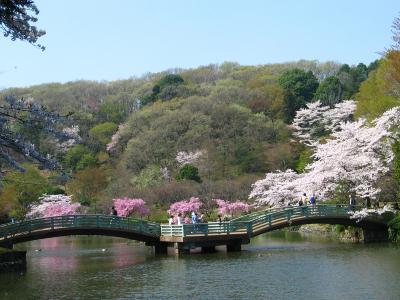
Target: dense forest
{"points": [[208, 132]]}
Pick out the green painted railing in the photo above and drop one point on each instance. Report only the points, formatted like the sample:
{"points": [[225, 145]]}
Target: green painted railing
{"points": [[26, 227], [260, 221], [250, 225]]}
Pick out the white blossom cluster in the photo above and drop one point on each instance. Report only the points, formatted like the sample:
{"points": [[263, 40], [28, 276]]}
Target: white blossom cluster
{"points": [[368, 212], [316, 120], [184, 158], [165, 173], [74, 137], [358, 154], [115, 138], [38, 210]]}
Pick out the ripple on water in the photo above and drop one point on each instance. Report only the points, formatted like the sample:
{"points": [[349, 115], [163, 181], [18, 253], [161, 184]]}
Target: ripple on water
{"points": [[271, 267]]}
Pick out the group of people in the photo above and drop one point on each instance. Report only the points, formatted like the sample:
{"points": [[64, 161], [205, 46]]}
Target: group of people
{"points": [[304, 200], [195, 218]]}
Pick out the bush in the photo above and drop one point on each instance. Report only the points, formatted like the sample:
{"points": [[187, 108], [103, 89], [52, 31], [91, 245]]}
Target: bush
{"points": [[188, 172], [171, 192], [340, 228], [55, 190]]}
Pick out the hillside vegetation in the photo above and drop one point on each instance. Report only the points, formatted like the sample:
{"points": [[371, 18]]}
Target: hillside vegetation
{"points": [[228, 123]]}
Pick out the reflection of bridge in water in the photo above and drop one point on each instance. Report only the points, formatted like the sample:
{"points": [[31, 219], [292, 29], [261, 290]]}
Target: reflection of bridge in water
{"points": [[184, 237]]}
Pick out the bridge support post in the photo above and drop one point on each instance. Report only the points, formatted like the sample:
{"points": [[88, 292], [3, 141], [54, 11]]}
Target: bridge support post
{"points": [[234, 247], [375, 235], [161, 248], [180, 248]]}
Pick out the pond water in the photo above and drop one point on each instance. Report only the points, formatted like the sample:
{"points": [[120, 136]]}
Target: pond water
{"points": [[279, 265]]}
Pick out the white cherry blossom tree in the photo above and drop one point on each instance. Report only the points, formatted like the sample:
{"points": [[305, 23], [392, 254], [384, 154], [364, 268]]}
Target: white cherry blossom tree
{"points": [[184, 158], [316, 120], [358, 153]]}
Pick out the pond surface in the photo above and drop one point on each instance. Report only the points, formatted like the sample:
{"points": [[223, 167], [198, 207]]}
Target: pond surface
{"points": [[279, 265]]}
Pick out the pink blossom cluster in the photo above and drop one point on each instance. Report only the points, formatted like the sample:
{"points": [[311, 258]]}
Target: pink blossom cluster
{"points": [[126, 207], [185, 206], [232, 208], [53, 205], [61, 210]]}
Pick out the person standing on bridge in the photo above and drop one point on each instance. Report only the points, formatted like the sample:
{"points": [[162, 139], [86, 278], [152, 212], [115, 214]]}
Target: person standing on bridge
{"points": [[304, 198], [114, 214], [312, 199], [179, 219], [114, 211], [352, 201], [195, 221]]}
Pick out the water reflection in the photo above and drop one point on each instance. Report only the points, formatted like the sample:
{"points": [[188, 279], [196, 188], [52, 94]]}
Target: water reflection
{"points": [[282, 265]]}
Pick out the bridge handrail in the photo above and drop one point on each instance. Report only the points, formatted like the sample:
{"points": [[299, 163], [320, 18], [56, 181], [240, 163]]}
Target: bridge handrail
{"points": [[264, 218], [210, 228], [250, 224], [79, 221], [274, 209]]}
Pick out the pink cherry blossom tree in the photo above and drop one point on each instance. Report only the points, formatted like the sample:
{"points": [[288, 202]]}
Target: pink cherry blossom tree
{"points": [[54, 205], [185, 207], [126, 207], [232, 208]]}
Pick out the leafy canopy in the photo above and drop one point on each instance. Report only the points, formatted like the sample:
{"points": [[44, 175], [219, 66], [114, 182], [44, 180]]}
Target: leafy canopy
{"points": [[300, 87]]}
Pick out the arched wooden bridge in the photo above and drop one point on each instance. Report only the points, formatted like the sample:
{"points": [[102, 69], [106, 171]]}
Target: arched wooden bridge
{"points": [[42, 228], [183, 237]]}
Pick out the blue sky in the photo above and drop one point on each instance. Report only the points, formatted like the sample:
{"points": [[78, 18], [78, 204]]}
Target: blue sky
{"points": [[110, 40]]}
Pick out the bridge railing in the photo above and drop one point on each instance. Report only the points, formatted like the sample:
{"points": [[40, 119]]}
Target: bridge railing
{"points": [[205, 229], [79, 221], [320, 208], [257, 221]]}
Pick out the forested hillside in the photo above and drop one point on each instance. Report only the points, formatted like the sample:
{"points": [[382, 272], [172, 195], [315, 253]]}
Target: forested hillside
{"points": [[209, 132]]}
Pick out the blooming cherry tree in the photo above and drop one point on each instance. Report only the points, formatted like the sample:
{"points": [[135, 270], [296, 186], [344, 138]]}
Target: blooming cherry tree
{"points": [[185, 206], [126, 207], [357, 153], [115, 138], [231, 208], [316, 120], [184, 158], [54, 205], [276, 189], [74, 137], [366, 212]]}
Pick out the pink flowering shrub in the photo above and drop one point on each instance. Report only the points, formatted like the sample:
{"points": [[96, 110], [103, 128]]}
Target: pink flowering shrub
{"points": [[126, 207], [61, 210], [185, 206], [54, 205], [231, 208]]}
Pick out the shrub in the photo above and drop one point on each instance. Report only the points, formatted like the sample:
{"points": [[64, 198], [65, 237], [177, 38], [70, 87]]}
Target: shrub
{"points": [[189, 172]]}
